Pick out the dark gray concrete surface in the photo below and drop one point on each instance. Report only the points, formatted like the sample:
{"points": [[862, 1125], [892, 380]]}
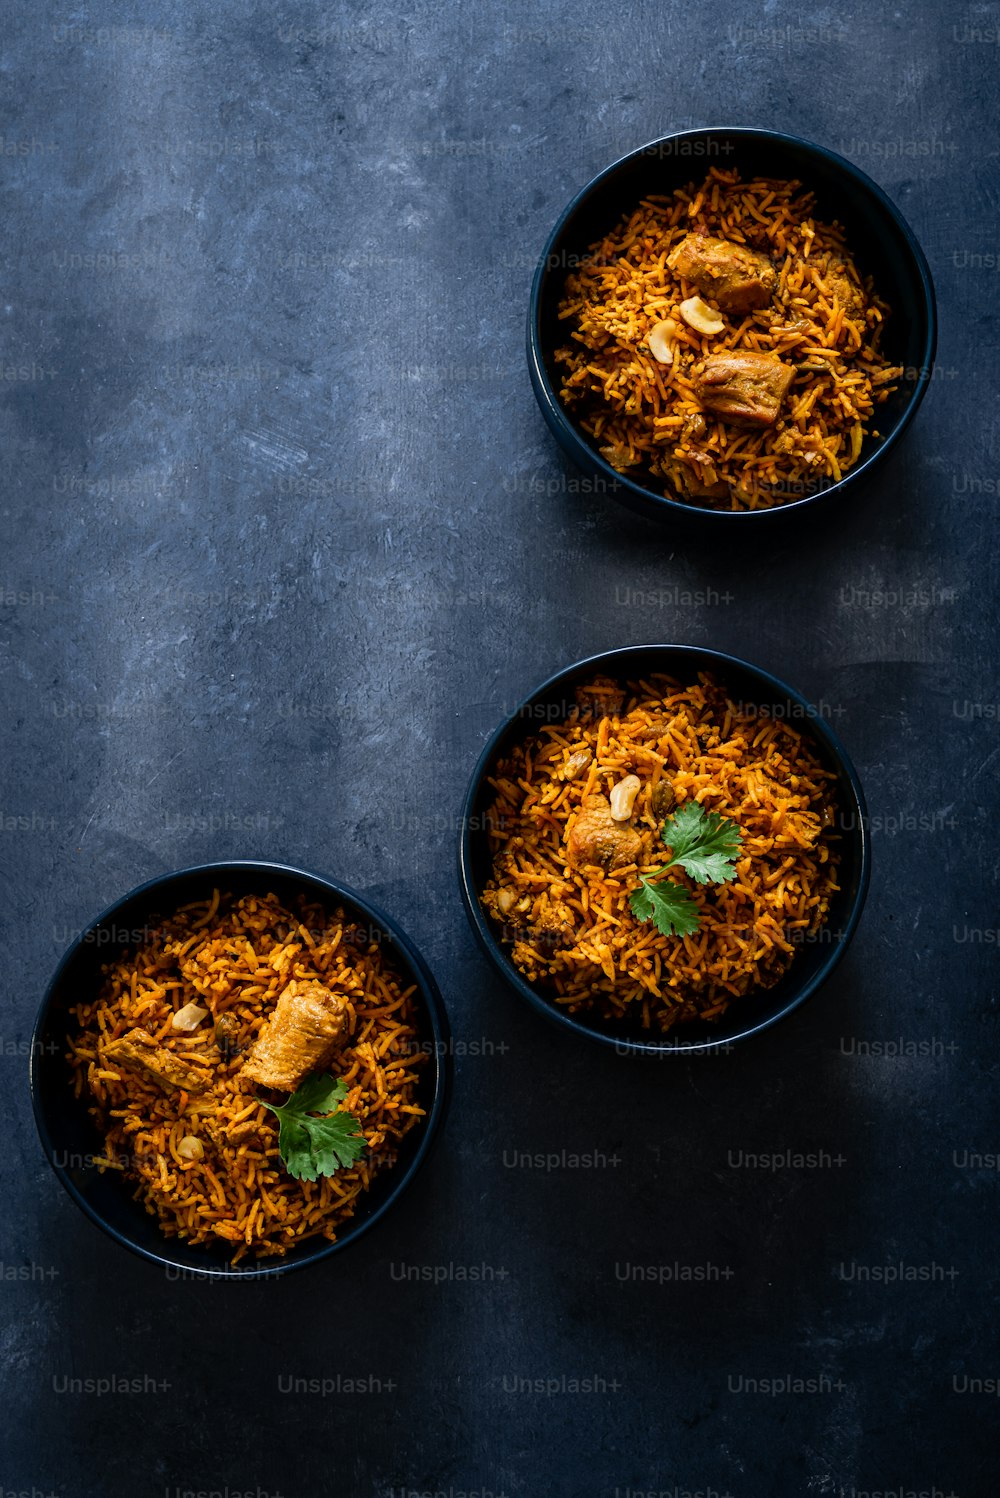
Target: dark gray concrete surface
{"points": [[284, 537]]}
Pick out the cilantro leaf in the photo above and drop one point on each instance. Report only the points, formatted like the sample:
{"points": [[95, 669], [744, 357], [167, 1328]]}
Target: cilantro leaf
{"points": [[703, 843], [311, 1146], [666, 903]]}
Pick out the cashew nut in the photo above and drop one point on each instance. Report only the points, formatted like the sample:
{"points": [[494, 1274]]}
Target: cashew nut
{"points": [[623, 797], [700, 316], [661, 340]]}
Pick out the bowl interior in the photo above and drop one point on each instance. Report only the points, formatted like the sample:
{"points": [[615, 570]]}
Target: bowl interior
{"points": [[881, 244], [764, 695], [71, 1138]]}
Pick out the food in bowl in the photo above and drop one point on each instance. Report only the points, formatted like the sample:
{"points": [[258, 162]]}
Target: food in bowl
{"points": [[723, 345], [252, 1067], [660, 853]]}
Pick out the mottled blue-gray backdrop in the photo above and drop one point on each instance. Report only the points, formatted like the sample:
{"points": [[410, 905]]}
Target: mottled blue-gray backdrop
{"points": [[284, 537]]}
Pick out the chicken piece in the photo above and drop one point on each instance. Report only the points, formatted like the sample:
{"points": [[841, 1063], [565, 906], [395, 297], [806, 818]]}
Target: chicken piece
{"points": [[599, 699], [597, 838], [734, 277], [746, 386], [137, 1051], [307, 1025]]}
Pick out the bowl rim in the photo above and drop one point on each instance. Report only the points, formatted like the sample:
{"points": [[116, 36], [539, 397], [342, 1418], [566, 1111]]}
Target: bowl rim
{"points": [[606, 660], [619, 485], [438, 1022]]}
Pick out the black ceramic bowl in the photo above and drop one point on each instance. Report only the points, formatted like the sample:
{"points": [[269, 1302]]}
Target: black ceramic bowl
{"points": [[814, 963], [70, 1138], [881, 242]]}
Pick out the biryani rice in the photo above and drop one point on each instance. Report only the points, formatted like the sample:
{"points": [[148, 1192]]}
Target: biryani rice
{"points": [[645, 416], [757, 770], [234, 957]]}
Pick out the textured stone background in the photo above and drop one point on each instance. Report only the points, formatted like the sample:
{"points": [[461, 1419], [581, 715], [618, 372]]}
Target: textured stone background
{"points": [[284, 537]]}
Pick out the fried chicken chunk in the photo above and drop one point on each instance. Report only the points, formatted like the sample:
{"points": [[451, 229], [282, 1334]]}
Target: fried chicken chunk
{"points": [[746, 387], [735, 278], [306, 1027], [597, 838], [138, 1052]]}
